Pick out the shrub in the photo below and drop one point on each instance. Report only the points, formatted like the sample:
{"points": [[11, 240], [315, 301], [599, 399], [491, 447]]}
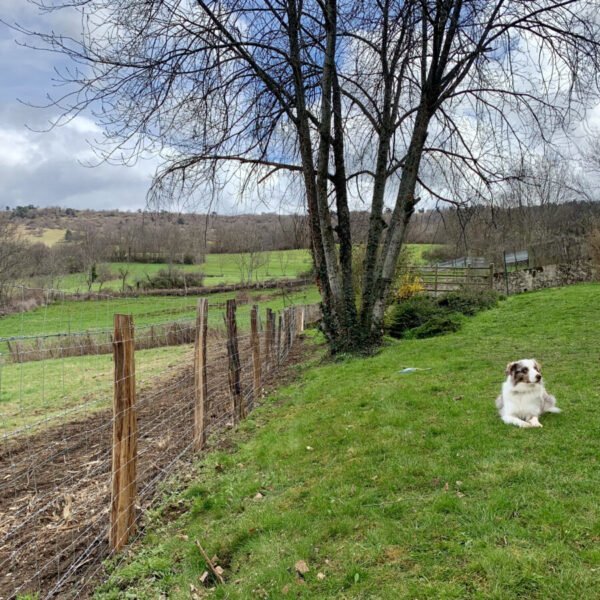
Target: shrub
{"points": [[167, 279], [410, 285], [437, 325], [469, 302], [423, 316], [410, 313]]}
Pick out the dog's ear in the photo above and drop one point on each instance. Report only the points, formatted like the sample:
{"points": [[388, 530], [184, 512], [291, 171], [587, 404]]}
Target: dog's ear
{"points": [[510, 367]]}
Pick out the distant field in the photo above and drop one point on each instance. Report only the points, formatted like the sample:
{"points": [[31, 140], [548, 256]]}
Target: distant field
{"points": [[219, 269], [43, 235]]}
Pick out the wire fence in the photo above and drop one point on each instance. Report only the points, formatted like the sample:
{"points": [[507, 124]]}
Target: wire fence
{"points": [[77, 476]]}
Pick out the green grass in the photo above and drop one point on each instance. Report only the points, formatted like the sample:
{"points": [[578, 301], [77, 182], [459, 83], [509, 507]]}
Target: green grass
{"points": [[72, 316], [403, 486], [218, 269], [37, 390], [46, 390]]}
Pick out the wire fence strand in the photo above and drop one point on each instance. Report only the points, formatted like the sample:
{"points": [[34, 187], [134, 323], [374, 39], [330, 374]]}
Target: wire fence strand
{"points": [[57, 426]]}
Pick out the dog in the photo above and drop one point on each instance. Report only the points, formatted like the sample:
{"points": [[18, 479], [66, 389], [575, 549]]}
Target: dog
{"points": [[524, 397]]}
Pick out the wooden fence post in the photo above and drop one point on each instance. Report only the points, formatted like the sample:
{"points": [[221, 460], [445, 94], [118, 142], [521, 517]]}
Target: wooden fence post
{"points": [[300, 319], [235, 386], [291, 325], [435, 285], [200, 380], [124, 449], [269, 340], [491, 276], [278, 338], [255, 342]]}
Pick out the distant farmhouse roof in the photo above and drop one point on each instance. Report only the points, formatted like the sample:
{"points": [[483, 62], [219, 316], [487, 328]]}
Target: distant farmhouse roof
{"points": [[513, 258]]}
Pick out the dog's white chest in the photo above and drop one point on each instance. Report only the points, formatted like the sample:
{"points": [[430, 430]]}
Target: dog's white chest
{"points": [[524, 404]]}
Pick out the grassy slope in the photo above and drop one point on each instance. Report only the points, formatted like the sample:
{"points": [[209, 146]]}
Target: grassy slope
{"points": [[412, 487], [47, 236]]}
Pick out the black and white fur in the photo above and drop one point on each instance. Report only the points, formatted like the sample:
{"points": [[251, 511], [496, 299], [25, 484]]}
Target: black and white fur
{"points": [[524, 398]]}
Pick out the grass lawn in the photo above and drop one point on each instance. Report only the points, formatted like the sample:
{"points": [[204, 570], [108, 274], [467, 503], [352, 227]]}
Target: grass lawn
{"points": [[402, 486]]}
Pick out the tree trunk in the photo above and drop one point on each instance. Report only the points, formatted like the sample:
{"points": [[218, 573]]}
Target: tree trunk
{"points": [[405, 206]]}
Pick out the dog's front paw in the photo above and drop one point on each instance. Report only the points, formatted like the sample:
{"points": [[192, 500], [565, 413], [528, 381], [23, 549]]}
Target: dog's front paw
{"points": [[534, 422]]}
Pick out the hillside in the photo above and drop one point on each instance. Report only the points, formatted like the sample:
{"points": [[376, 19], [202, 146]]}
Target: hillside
{"points": [[401, 486]]}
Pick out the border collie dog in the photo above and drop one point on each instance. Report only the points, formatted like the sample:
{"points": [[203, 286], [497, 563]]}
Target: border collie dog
{"points": [[524, 398]]}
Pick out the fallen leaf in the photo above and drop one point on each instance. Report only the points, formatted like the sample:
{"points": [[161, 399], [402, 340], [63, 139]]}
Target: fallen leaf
{"points": [[320, 576], [203, 577], [302, 567], [309, 448], [458, 398], [219, 570], [215, 560], [258, 496], [446, 487], [285, 589], [460, 494]]}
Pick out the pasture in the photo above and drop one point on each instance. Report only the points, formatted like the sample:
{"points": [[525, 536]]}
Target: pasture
{"points": [[46, 389], [401, 486], [218, 269]]}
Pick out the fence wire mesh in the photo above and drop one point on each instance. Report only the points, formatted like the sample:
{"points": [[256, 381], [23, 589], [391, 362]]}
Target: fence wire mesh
{"points": [[58, 460]]}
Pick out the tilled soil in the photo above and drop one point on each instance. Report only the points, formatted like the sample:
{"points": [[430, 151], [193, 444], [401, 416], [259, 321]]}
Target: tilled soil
{"points": [[55, 485]]}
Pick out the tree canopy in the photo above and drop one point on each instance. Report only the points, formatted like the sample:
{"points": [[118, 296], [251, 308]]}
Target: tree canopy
{"points": [[386, 101]]}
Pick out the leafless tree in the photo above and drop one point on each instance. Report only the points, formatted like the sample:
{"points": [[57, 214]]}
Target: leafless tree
{"points": [[104, 275], [12, 256], [391, 101]]}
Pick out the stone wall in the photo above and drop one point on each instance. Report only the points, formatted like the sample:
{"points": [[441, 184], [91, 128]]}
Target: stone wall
{"points": [[545, 277]]}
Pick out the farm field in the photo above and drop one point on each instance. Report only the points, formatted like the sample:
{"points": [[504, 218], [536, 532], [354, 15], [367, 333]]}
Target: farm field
{"points": [[218, 269], [45, 389], [93, 315], [402, 486]]}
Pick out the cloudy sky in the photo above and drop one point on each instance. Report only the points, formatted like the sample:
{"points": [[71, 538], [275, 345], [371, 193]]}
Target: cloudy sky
{"points": [[50, 168]]}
